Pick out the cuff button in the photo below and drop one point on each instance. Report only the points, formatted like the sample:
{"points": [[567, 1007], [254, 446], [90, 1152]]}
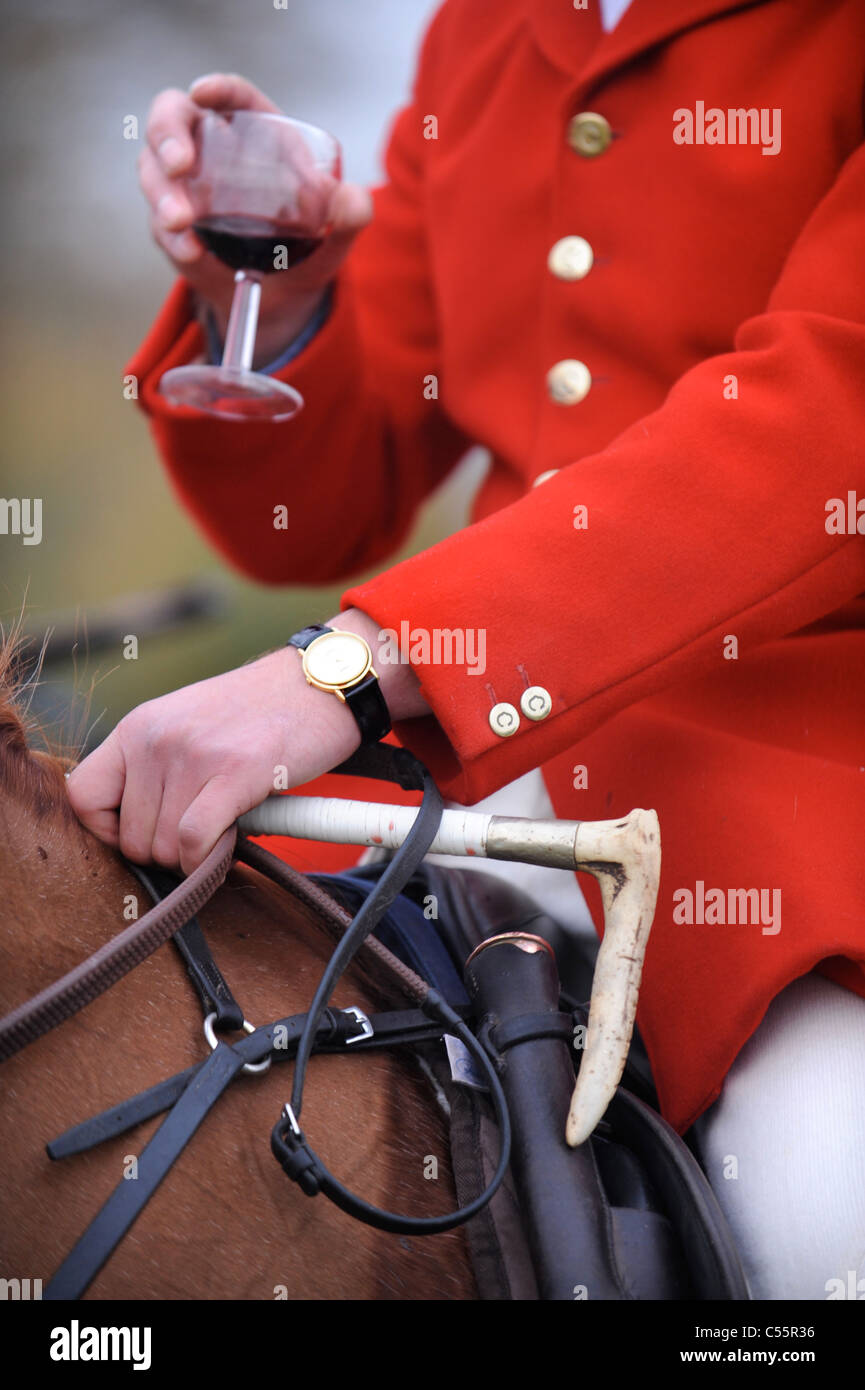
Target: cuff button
{"points": [[536, 702], [504, 719]]}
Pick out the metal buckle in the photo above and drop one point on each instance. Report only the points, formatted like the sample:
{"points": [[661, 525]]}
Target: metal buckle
{"points": [[366, 1028], [289, 1115]]}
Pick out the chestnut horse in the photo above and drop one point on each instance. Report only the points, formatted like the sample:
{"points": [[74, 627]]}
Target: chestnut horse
{"points": [[226, 1223]]}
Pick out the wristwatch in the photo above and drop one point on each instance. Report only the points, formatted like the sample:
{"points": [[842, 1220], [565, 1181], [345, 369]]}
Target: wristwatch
{"points": [[341, 662]]}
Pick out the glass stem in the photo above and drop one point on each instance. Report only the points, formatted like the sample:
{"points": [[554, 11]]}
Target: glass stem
{"points": [[242, 322]]}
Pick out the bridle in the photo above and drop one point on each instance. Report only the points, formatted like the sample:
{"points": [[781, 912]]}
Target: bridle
{"points": [[192, 1093]]}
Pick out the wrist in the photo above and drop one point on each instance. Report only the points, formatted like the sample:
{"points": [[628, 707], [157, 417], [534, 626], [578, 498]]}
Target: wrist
{"points": [[400, 685], [324, 720], [281, 319]]}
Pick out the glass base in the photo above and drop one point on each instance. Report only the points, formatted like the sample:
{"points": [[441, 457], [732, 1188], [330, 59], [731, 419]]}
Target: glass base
{"points": [[231, 393]]}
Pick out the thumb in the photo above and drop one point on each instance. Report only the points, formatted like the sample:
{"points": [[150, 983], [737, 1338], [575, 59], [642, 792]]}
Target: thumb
{"points": [[351, 210], [95, 789]]}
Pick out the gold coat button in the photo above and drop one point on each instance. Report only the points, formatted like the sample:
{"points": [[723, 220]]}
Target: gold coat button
{"points": [[571, 258], [544, 477], [589, 134], [536, 702], [504, 719], [569, 381]]}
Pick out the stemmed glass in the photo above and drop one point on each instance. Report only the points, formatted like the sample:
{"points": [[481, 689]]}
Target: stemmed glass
{"points": [[262, 190]]}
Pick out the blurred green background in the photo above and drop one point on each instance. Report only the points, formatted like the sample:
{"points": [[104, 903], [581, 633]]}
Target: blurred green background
{"points": [[82, 283]]}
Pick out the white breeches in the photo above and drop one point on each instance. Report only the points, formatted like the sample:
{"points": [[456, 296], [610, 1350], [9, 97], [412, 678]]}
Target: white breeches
{"points": [[784, 1145]]}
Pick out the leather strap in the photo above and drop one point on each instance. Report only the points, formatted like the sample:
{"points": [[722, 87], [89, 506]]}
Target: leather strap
{"points": [[128, 1199], [568, 1216], [119, 1118], [369, 707], [337, 1032], [523, 1028], [304, 1166], [306, 635], [213, 989], [112, 961]]}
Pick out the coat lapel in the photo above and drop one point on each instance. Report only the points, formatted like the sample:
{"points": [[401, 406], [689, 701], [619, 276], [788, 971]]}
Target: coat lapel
{"points": [[559, 30]]}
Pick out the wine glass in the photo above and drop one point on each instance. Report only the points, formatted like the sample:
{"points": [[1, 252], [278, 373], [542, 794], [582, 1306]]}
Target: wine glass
{"points": [[262, 190]]}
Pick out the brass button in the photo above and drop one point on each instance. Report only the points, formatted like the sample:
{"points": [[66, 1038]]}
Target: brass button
{"points": [[589, 134], [544, 477], [571, 258], [569, 381], [504, 719], [536, 702]]}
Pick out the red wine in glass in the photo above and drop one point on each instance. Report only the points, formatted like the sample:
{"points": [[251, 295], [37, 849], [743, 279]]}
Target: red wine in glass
{"points": [[253, 243], [261, 190]]}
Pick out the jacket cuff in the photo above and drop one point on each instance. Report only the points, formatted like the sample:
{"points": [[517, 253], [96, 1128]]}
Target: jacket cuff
{"points": [[177, 338], [463, 683], [216, 346]]}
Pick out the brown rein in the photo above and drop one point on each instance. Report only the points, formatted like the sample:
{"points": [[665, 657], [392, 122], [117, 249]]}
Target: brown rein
{"points": [[85, 982]]}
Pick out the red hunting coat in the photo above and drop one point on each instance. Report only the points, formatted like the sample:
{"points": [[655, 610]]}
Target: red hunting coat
{"points": [[700, 627]]}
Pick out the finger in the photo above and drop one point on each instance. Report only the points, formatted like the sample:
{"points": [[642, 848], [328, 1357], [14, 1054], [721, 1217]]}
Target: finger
{"points": [[217, 806], [228, 91], [139, 810], [151, 179], [351, 210], [183, 248], [171, 212], [171, 125], [177, 798], [105, 825], [95, 789], [169, 201]]}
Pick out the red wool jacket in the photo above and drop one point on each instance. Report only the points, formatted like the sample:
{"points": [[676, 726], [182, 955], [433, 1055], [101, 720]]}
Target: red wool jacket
{"points": [[697, 627]]}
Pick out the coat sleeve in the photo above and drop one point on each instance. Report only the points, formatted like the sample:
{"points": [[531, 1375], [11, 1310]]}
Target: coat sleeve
{"points": [[705, 520], [372, 438]]}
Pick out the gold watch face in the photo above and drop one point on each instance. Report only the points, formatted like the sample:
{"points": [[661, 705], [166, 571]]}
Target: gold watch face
{"points": [[337, 660]]}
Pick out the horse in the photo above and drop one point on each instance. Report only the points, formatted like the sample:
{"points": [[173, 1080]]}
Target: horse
{"points": [[225, 1223]]}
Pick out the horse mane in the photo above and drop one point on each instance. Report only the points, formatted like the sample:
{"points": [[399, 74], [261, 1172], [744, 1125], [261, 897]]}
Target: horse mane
{"points": [[33, 776]]}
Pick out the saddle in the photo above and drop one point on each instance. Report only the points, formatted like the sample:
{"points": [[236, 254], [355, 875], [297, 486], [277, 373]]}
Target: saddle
{"points": [[628, 1215]]}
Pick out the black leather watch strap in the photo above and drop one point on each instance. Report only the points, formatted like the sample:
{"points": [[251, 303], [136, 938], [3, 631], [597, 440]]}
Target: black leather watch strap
{"points": [[368, 706], [302, 639]]}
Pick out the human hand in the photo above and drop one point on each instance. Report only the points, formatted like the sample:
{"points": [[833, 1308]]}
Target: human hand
{"points": [[178, 770], [290, 297]]}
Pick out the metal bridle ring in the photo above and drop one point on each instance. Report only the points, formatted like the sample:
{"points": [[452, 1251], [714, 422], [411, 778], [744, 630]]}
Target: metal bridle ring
{"points": [[247, 1027]]}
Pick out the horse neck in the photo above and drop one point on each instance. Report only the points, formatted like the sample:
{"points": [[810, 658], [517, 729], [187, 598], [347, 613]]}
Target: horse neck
{"points": [[59, 881], [65, 895]]}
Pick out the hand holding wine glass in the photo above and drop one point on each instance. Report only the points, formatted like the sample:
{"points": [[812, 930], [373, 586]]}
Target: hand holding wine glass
{"points": [[262, 189], [170, 170]]}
